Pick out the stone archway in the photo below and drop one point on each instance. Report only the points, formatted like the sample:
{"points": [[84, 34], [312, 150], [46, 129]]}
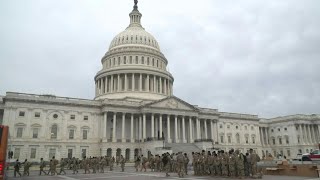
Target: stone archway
{"points": [[136, 151], [118, 152]]}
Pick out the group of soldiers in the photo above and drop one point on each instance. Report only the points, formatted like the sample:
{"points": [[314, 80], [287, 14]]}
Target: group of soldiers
{"points": [[223, 164], [92, 164]]}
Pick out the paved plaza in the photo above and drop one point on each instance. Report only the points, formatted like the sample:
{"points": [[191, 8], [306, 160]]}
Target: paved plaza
{"points": [[132, 175]]}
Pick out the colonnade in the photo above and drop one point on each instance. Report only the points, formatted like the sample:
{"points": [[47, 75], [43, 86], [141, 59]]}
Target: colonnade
{"points": [[309, 133], [306, 134], [133, 82], [157, 126]]}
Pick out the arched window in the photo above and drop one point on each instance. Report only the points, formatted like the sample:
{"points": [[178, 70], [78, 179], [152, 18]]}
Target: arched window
{"points": [[118, 152], [54, 131]]}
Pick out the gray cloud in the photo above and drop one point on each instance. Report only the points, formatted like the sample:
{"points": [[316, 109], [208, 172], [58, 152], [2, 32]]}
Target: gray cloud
{"points": [[257, 57]]}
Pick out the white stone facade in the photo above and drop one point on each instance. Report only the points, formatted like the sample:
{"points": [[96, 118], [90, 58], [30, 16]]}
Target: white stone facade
{"points": [[135, 111]]}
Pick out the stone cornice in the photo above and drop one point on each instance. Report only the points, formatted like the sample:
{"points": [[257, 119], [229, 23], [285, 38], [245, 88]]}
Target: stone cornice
{"points": [[297, 118], [50, 99], [129, 69], [238, 116]]}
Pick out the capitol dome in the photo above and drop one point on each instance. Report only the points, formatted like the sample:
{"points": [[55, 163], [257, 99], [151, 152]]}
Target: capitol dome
{"points": [[134, 66]]}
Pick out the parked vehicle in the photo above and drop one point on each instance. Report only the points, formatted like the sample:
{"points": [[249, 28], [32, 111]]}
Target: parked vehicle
{"points": [[313, 156], [298, 157]]}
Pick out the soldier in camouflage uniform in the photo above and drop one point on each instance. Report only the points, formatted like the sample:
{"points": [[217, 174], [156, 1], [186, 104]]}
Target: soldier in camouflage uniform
{"points": [[62, 165], [215, 165], [186, 162], [180, 164], [102, 163], [74, 165], [143, 163], [122, 162], [157, 163], [151, 163], [239, 164], [232, 164], [166, 163], [210, 164], [254, 158], [223, 164], [26, 171], [112, 160], [42, 166], [86, 165], [137, 161], [195, 163]]}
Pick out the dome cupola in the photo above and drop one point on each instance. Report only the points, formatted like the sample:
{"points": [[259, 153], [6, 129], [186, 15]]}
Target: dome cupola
{"points": [[134, 65]]}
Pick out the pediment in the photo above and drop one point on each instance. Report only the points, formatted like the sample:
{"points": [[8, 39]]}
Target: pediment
{"points": [[172, 103]]}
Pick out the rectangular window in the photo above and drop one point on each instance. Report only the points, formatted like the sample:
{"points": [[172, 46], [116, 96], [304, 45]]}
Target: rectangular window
{"points": [[52, 152], [253, 140], [273, 141], [300, 151], [247, 140], [70, 153], [280, 141], [229, 139], [124, 60], [148, 61], [285, 129], [85, 118], [287, 140], [19, 132], [37, 114], [71, 133], [35, 133], [72, 116], [33, 153], [130, 60], [21, 113], [288, 153], [84, 134], [221, 139], [298, 139], [83, 153], [16, 154], [137, 61], [142, 60], [119, 61]]}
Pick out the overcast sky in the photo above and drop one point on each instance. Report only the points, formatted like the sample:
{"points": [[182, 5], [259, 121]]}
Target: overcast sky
{"points": [[258, 57]]}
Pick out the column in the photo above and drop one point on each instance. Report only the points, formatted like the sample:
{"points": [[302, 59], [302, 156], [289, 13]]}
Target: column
{"points": [[133, 82], [125, 82], [123, 127], [132, 116], [211, 126], [319, 133], [147, 84], [301, 134], [154, 84], [111, 85], [140, 127], [198, 127], [96, 88], [165, 86], [309, 134], [168, 129], [265, 136], [140, 83], [160, 80], [156, 127], [105, 125], [176, 129], [106, 85], [118, 89], [144, 127], [102, 85], [190, 130], [160, 125], [183, 130], [152, 125], [205, 129], [114, 139]]}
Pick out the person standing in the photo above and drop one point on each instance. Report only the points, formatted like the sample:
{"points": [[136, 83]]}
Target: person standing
{"points": [[86, 165], [53, 166], [122, 162], [166, 163], [144, 163], [239, 164], [254, 158], [186, 162], [112, 160], [232, 164], [74, 165], [26, 171], [180, 164], [137, 162], [62, 165], [17, 165], [42, 166]]}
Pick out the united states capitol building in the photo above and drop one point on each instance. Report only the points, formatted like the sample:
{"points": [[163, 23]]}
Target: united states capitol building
{"points": [[135, 111]]}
